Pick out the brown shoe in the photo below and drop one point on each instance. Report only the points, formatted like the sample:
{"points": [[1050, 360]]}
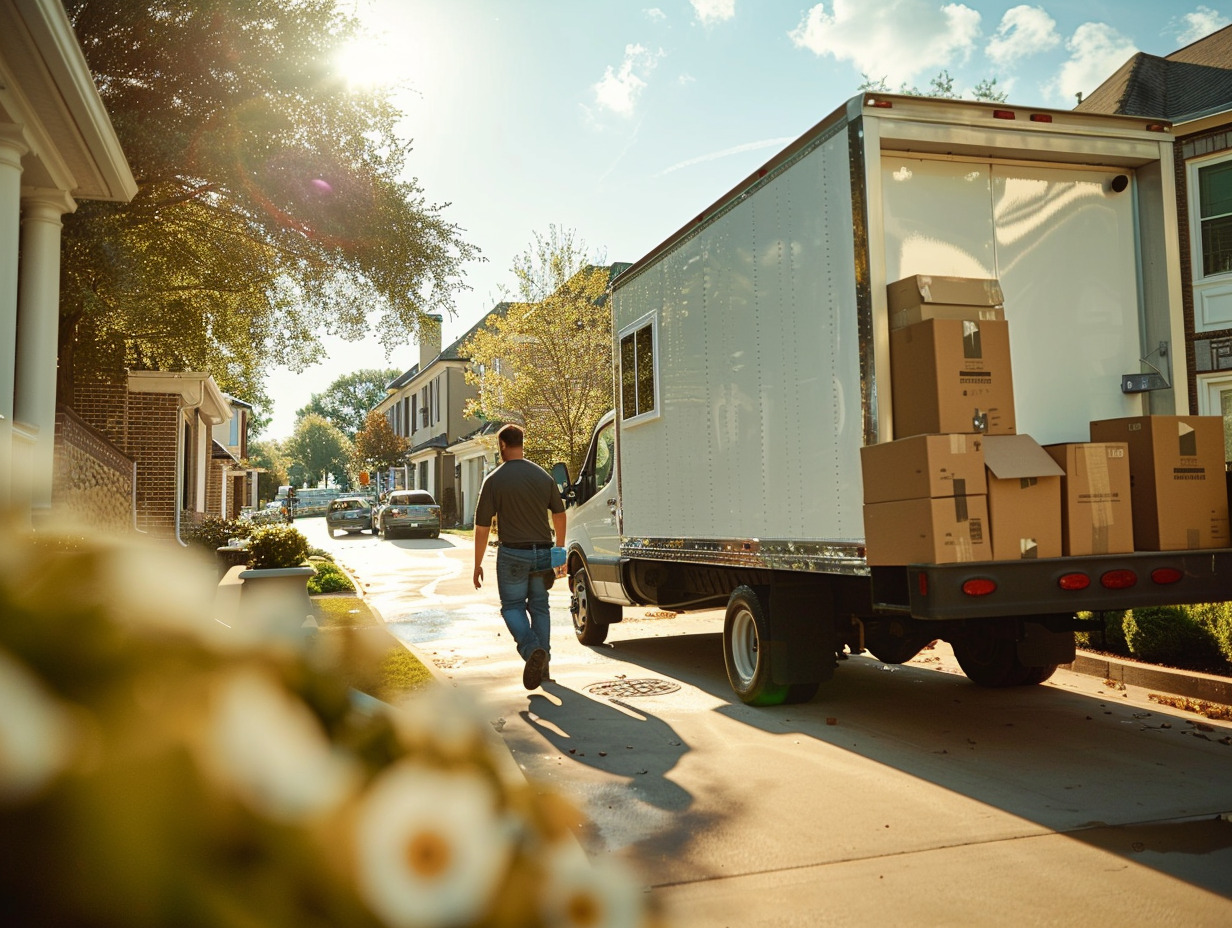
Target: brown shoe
{"points": [[547, 674], [536, 664]]}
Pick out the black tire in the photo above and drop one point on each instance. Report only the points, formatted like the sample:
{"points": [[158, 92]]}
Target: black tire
{"points": [[893, 643], [435, 535], [746, 651], [591, 616], [333, 533], [993, 662]]}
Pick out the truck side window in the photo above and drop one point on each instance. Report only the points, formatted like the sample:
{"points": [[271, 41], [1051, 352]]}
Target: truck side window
{"points": [[637, 371], [605, 455]]}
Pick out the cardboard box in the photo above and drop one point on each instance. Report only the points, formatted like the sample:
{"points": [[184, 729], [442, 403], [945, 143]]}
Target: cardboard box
{"points": [[1024, 498], [1176, 467], [1096, 515], [951, 530], [923, 466], [914, 314], [951, 375], [928, 288]]}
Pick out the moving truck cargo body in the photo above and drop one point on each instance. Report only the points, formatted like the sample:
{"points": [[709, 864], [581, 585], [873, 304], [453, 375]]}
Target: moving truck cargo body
{"points": [[753, 363]]}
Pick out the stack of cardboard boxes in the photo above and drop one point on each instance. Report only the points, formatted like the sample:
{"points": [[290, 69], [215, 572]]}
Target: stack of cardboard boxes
{"points": [[959, 484]]}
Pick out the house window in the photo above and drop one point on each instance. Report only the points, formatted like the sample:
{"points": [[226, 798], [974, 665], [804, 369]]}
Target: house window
{"points": [[638, 372], [1215, 399], [1215, 216]]}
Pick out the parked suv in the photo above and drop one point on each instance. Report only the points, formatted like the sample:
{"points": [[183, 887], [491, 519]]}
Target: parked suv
{"points": [[408, 511]]}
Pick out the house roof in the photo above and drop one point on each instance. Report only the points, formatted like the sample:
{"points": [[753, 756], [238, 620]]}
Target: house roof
{"points": [[47, 90], [1192, 81], [219, 452]]}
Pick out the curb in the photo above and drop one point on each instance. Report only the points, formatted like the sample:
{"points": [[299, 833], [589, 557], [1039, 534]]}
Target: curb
{"points": [[1192, 684]]}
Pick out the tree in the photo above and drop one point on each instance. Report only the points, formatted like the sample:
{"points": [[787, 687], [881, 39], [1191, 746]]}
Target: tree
{"points": [[271, 198], [269, 456], [941, 85], [347, 401], [377, 446], [320, 448], [546, 362]]}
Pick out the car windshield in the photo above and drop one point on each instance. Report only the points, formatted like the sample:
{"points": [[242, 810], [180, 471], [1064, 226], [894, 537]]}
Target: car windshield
{"points": [[347, 504], [415, 498]]}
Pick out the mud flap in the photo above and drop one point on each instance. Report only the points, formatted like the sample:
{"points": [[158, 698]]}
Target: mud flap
{"points": [[801, 618], [1040, 647]]}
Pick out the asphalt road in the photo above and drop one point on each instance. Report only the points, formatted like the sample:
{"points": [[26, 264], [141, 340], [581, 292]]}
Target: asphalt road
{"points": [[899, 796]]}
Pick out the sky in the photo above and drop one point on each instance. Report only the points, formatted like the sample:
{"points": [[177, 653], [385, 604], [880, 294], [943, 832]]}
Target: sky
{"points": [[621, 120]]}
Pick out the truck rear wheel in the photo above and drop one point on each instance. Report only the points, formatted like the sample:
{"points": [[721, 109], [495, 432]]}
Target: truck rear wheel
{"points": [[746, 652], [591, 616], [992, 661]]}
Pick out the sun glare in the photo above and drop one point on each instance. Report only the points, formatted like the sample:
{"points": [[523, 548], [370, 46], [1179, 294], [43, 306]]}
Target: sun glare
{"points": [[368, 62]]}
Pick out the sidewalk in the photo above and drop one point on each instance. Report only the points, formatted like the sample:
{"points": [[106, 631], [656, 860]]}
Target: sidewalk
{"points": [[1190, 683]]}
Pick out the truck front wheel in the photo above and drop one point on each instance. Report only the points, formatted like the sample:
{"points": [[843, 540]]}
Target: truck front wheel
{"points": [[991, 660], [746, 651], [591, 616]]}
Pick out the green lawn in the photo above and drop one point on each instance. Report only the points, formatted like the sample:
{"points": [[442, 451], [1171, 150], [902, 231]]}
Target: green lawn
{"points": [[400, 671]]}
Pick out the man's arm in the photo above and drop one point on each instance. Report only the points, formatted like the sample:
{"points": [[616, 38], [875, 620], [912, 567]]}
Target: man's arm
{"points": [[481, 546]]}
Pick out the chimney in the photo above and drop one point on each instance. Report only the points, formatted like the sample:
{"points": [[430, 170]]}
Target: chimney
{"points": [[429, 340]]}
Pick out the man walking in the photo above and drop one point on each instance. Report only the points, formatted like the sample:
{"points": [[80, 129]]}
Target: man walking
{"points": [[520, 494]]}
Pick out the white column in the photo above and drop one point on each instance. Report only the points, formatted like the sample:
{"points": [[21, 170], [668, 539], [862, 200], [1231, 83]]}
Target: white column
{"points": [[38, 327], [12, 147]]}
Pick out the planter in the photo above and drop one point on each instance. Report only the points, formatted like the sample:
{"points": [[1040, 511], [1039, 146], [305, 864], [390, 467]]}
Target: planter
{"points": [[231, 556], [275, 599]]}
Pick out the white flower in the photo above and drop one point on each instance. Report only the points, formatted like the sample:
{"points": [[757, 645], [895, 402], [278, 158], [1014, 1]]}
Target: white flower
{"points": [[269, 747], [36, 732], [432, 846], [446, 720], [579, 894]]}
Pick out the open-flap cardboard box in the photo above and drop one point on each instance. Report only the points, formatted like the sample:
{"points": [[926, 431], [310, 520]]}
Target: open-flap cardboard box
{"points": [[1024, 498]]}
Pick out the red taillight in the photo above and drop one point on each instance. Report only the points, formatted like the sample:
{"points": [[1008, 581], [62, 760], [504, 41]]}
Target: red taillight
{"points": [[922, 582], [1074, 582], [1156, 127], [881, 104], [1041, 117], [979, 586], [1166, 575], [1118, 579], [1002, 114]]}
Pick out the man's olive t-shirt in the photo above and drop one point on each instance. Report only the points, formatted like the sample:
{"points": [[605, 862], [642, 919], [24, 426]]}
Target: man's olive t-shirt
{"points": [[519, 493]]}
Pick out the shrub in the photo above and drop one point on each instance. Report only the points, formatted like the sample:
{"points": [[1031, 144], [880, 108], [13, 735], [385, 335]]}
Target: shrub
{"points": [[212, 532], [1171, 635], [1112, 640], [329, 578], [1217, 619], [273, 546]]}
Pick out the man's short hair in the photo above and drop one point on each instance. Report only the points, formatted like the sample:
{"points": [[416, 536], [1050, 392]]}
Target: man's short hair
{"points": [[511, 436]]}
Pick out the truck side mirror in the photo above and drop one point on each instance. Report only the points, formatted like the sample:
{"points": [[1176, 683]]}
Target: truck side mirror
{"points": [[560, 473]]}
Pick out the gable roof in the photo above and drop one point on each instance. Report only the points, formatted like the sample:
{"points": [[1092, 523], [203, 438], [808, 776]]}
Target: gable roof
{"points": [[1190, 82]]}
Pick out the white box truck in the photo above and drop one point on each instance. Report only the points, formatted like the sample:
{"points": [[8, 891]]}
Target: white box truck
{"points": [[752, 364]]}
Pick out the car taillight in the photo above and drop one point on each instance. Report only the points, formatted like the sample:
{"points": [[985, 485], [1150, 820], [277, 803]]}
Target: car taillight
{"points": [[1118, 579], [1074, 581], [979, 586], [1166, 575]]}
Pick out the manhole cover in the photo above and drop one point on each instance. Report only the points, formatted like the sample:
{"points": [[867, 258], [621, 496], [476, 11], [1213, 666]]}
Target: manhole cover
{"points": [[633, 688]]}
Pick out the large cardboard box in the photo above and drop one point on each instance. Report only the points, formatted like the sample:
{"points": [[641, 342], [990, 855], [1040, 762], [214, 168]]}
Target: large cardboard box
{"points": [[1024, 498], [928, 288], [952, 375], [1096, 514], [1176, 466], [914, 314], [950, 530], [923, 466], [915, 299]]}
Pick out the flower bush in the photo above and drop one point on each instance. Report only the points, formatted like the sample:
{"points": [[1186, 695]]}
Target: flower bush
{"points": [[272, 546], [212, 532], [159, 768]]}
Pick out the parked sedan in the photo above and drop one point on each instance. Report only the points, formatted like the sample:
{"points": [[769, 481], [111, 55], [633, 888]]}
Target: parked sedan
{"points": [[409, 511], [348, 514]]}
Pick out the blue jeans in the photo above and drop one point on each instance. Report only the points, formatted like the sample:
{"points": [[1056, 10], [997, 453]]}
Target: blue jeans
{"points": [[524, 599]]}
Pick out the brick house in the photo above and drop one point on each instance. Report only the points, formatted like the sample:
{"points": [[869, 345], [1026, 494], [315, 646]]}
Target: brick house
{"points": [[231, 485], [163, 422], [1192, 89], [57, 146]]}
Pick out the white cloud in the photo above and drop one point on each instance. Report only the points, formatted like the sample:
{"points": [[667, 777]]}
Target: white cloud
{"points": [[620, 87], [655, 14], [714, 11], [898, 39], [1024, 31], [1096, 51], [1199, 24], [734, 150]]}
